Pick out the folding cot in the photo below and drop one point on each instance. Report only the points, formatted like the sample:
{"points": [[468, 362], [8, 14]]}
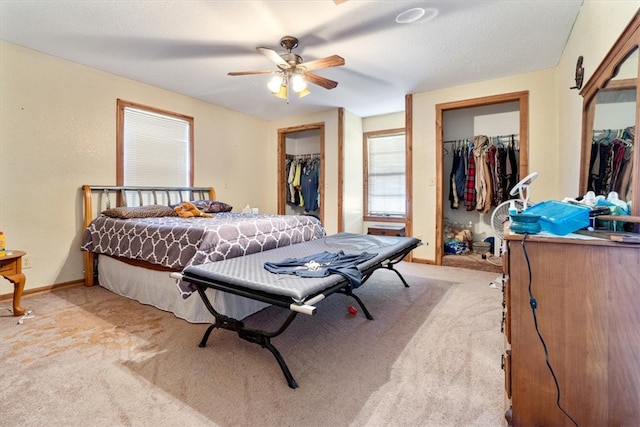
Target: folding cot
{"points": [[247, 276]]}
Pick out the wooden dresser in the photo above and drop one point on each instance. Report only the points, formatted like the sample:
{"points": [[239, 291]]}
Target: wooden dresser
{"points": [[588, 313]]}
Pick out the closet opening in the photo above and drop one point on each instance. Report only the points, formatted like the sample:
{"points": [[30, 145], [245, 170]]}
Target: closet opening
{"points": [[300, 170], [482, 151]]}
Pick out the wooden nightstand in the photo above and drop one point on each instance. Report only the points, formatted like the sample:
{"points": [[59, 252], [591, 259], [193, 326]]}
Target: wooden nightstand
{"points": [[11, 269], [386, 230]]}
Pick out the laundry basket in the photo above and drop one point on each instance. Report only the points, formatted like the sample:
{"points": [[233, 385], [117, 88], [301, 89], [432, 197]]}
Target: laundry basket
{"points": [[481, 247]]}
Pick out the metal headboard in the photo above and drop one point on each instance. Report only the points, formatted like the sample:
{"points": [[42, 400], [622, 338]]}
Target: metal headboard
{"points": [[97, 198], [103, 197]]}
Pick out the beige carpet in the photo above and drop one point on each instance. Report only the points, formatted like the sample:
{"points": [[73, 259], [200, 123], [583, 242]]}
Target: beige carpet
{"points": [[431, 357]]}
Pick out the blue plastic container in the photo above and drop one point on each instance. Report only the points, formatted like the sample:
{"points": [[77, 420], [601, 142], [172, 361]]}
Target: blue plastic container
{"points": [[560, 217]]}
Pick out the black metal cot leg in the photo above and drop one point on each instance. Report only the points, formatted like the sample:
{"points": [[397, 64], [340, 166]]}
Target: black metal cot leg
{"points": [[205, 337], [367, 275], [392, 263], [256, 336], [283, 365], [362, 306], [404, 282]]}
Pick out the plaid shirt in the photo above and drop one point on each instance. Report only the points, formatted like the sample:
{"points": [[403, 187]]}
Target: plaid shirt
{"points": [[470, 183], [494, 175]]}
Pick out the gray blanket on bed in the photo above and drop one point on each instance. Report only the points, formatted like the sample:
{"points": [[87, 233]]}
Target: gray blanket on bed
{"points": [[177, 243]]}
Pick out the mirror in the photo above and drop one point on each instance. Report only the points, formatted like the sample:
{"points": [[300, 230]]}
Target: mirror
{"points": [[609, 160]]}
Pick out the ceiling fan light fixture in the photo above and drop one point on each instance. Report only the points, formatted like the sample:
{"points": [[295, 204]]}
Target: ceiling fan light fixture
{"points": [[282, 93], [298, 83], [293, 73], [304, 92], [275, 83]]}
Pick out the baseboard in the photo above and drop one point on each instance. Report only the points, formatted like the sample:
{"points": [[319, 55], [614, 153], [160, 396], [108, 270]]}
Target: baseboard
{"points": [[423, 261], [48, 288]]}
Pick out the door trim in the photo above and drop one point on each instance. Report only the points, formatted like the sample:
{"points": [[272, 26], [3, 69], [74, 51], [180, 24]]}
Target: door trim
{"points": [[282, 151]]}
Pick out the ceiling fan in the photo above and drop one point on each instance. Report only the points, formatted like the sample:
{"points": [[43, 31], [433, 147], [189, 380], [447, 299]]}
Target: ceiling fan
{"points": [[292, 72]]}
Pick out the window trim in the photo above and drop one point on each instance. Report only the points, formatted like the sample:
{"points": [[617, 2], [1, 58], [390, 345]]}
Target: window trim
{"points": [[365, 146], [121, 105]]}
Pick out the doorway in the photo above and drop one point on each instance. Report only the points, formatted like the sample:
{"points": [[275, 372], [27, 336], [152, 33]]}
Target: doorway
{"points": [[301, 146], [521, 100]]}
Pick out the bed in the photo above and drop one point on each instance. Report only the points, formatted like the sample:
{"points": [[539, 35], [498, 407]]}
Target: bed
{"points": [[131, 242], [293, 278]]}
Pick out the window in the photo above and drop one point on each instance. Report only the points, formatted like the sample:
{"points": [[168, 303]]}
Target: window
{"points": [[154, 147], [385, 174]]}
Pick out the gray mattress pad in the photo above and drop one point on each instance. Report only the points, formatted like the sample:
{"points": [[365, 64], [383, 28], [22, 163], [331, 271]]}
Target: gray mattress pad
{"points": [[248, 271]]}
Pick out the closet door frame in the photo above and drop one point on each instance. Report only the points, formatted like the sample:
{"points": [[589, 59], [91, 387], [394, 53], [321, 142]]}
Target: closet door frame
{"points": [[282, 154], [523, 101]]}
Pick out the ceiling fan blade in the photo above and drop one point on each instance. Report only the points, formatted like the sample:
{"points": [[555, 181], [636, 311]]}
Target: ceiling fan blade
{"points": [[329, 61], [320, 81], [246, 73], [273, 56]]}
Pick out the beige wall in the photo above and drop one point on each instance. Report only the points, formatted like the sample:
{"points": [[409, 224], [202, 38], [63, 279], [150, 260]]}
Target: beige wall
{"points": [[352, 204], [58, 133], [383, 122]]}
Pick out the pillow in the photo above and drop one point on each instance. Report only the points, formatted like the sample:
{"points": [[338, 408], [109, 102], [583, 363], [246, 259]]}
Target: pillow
{"points": [[150, 211], [210, 206]]}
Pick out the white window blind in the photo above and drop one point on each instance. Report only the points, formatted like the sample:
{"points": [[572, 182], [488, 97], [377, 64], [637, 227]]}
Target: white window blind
{"points": [[156, 149], [386, 176]]}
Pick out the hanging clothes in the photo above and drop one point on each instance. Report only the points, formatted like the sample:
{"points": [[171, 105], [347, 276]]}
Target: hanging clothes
{"points": [[623, 182], [470, 181], [493, 170], [610, 162], [457, 179], [303, 176], [483, 185], [501, 171], [290, 176], [512, 168], [309, 187], [296, 185], [616, 161], [484, 170]]}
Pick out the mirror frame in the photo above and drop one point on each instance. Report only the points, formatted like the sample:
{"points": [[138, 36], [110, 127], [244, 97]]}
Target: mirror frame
{"points": [[628, 41]]}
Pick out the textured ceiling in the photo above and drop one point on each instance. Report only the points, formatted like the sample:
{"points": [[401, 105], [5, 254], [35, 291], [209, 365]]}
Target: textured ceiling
{"points": [[189, 46]]}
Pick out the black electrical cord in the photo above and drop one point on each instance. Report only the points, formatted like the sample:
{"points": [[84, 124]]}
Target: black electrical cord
{"points": [[534, 304]]}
